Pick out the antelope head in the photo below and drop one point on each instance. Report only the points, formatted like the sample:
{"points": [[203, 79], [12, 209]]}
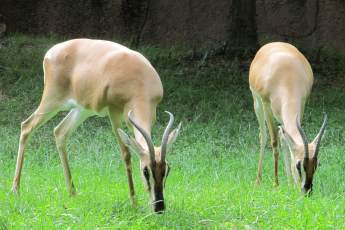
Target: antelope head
{"points": [[304, 157], [153, 166]]}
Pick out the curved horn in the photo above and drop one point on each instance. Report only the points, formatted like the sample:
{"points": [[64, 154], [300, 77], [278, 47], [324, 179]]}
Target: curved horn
{"points": [[320, 134], [165, 138], [304, 138], [145, 135]]}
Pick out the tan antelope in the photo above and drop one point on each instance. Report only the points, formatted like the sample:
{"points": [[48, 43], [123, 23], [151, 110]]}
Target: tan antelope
{"points": [[280, 79], [96, 77]]}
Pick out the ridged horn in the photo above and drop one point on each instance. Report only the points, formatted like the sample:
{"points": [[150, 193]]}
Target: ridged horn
{"points": [[304, 138], [320, 134], [145, 135], [165, 137]]}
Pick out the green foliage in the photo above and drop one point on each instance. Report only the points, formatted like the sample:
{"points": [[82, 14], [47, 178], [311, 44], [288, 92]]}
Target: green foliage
{"points": [[213, 162]]}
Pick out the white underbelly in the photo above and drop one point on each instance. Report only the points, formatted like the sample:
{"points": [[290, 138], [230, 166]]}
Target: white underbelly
{"points": [[72, 103]]}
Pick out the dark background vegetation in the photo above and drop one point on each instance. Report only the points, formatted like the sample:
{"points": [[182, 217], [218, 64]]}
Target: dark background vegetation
{"points": [[225, 28], [232, 24]]}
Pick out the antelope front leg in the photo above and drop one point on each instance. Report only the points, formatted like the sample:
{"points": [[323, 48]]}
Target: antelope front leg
{"points": [[126, 156], [276, 161], [273, 131], [285, 151]]}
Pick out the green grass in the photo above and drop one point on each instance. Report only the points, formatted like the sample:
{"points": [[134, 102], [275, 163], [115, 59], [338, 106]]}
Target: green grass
{"points": [[213, 161]]}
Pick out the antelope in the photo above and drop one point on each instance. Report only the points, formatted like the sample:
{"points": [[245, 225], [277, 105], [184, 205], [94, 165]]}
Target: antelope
{"points": [[280, 79], [96, 77]]}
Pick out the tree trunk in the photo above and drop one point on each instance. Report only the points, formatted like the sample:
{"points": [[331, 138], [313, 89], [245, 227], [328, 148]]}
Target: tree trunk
{"points": [[242, 28]]}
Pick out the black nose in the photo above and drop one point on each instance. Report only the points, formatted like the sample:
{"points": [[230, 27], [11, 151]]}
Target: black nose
{"points": [[307, 190], [159, 206]]}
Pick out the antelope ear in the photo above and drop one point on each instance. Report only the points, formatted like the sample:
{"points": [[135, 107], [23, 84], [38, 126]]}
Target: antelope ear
{"points": [[130, 142], [173, 135], [287, 138]]}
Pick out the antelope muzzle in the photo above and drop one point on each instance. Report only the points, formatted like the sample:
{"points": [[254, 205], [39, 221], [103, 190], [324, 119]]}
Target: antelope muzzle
{"points": [[158, 203], [307, 189]]}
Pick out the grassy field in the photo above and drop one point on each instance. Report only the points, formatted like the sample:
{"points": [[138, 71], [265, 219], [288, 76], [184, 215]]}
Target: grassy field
{"points": [[213, 162]]}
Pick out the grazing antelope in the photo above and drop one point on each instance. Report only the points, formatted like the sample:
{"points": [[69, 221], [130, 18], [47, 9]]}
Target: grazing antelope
{"points": [[95, 77], [280, 79]]}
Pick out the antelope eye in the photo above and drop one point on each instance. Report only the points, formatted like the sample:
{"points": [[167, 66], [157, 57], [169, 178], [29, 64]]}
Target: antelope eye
{"points": [[298, 166], [146, 172]]}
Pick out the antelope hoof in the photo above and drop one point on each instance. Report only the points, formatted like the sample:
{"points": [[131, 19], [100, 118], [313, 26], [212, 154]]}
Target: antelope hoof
{"points": [[134, 202], [276, 183], [15, 190], [72, 192], [257, 181]]}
